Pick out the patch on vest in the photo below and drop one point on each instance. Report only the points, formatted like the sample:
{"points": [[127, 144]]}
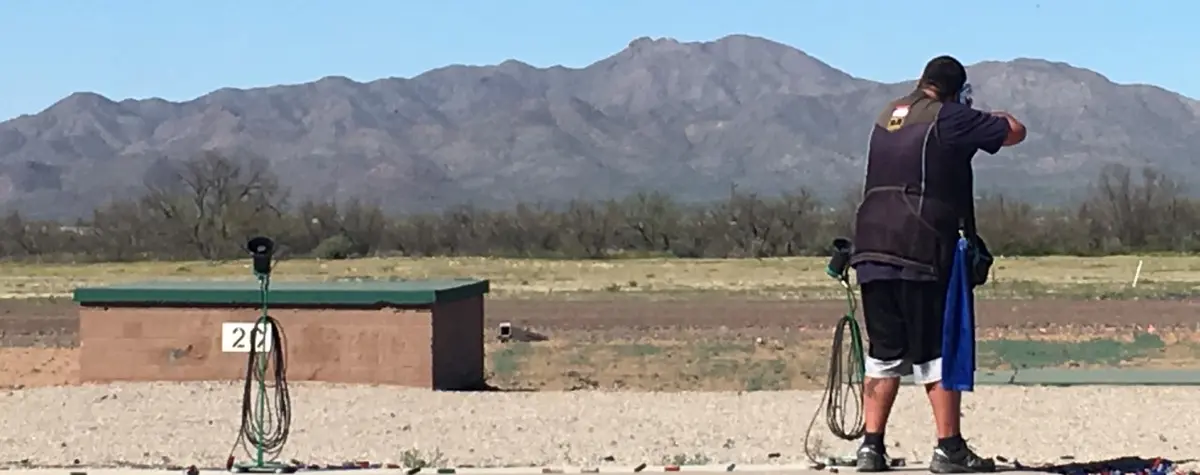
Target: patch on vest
{"points": [[897, 119]]}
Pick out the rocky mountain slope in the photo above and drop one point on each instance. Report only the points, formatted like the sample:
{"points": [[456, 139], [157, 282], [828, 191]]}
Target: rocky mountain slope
{"points": [[687, 118]]}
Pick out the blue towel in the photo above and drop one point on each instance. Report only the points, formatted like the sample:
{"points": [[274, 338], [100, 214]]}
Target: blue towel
{"points": [[958, 331]]}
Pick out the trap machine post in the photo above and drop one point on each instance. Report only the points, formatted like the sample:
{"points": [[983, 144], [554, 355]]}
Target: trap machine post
{"points": [[266, 412], [841, 401]]}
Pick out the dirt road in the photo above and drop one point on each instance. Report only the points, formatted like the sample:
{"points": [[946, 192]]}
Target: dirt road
{"points": [[26, 323], [37, 337]]}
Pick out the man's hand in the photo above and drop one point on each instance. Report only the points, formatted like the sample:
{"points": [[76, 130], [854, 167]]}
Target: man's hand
{"points": [[1016, 130]]}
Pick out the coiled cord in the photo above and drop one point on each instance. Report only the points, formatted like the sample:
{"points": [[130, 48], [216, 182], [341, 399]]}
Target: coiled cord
{"points": [[266, 418], [842, 401], [275, 411]]}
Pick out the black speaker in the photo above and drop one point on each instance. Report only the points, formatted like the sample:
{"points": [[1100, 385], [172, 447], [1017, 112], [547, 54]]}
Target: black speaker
{"points": [[261, 250], [840, 260]]}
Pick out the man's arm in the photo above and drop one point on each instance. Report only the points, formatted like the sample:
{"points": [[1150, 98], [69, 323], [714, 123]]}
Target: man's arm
{"points": [[1016, 130], [962, 126]]}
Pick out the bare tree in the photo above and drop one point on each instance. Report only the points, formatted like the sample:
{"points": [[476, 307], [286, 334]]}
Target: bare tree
{"points": [[1132, 211], [19, 238], [215, 202], [799, 215], [206, 207], [751, 223], [592, 226], [122, 232], [654, 218]]}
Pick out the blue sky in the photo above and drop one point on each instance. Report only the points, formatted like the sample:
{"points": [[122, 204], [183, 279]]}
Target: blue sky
{"points": [[178, 49]]}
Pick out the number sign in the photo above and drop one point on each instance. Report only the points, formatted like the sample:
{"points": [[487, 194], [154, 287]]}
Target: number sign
{"points": [[235, 337]]}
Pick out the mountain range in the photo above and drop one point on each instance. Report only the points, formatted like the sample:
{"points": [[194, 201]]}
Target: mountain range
{"points": [[690, 119]]}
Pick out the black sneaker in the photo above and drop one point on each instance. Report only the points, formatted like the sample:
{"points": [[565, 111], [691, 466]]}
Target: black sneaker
{"points": [[959, 461], [871, 459]]}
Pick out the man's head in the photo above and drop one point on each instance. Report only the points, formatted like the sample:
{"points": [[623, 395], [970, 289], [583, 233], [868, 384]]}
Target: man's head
{"points": [[946, 80]]}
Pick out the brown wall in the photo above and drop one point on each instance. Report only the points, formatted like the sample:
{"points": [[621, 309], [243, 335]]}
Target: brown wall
{"points": [[388, 346]]}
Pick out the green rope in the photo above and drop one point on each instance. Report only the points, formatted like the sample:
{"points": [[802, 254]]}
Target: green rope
{"points": [[856, 340], [266, 402], [842, 400]]}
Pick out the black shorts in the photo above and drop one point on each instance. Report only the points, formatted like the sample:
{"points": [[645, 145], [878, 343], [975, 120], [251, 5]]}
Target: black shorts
{"points": [[904, 319]]}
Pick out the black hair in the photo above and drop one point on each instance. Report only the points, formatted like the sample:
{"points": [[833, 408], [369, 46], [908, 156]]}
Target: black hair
{"points": [[946, 74]]}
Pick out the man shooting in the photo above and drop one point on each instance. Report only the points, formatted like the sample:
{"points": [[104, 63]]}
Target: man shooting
{"points": [[919, 195]]}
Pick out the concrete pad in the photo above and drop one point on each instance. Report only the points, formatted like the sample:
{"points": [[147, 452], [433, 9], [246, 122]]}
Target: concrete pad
{"points": [[745, 469]]}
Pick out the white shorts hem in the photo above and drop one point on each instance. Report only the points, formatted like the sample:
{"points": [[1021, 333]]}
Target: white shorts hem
{"points": [[924, 373]]}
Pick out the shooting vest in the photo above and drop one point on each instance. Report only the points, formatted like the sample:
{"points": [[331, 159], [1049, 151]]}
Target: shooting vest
{"points": [[917, 192]]}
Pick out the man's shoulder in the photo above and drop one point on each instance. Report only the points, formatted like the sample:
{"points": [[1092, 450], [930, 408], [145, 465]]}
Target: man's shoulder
{"points": [[953, 114], [951, 110], [914, 101], [911, 109]]}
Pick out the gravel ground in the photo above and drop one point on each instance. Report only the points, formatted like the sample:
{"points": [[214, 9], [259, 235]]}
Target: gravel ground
{"points": [[184, 424]]}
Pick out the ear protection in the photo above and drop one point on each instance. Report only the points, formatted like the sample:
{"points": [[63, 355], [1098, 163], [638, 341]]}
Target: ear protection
{"points": [[965, 96]]}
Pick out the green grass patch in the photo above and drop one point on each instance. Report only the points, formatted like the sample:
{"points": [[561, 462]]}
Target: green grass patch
{"points": [[636, 350], [721, 349], [765, 375], [506, 362], [1049, 354]]}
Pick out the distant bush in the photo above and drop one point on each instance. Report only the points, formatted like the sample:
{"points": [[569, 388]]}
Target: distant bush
{"points": [[219, 202], [335, 247]]}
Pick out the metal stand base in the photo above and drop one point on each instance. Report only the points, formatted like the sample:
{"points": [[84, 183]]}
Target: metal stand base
{"points": [[266, 467]]}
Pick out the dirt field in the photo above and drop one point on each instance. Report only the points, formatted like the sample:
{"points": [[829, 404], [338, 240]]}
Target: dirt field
{"points": [[54, 322], [1162, 277], [713, 344]]}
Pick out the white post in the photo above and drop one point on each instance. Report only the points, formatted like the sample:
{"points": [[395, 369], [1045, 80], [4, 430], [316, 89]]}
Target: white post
{"points": [[1137, 274]]}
